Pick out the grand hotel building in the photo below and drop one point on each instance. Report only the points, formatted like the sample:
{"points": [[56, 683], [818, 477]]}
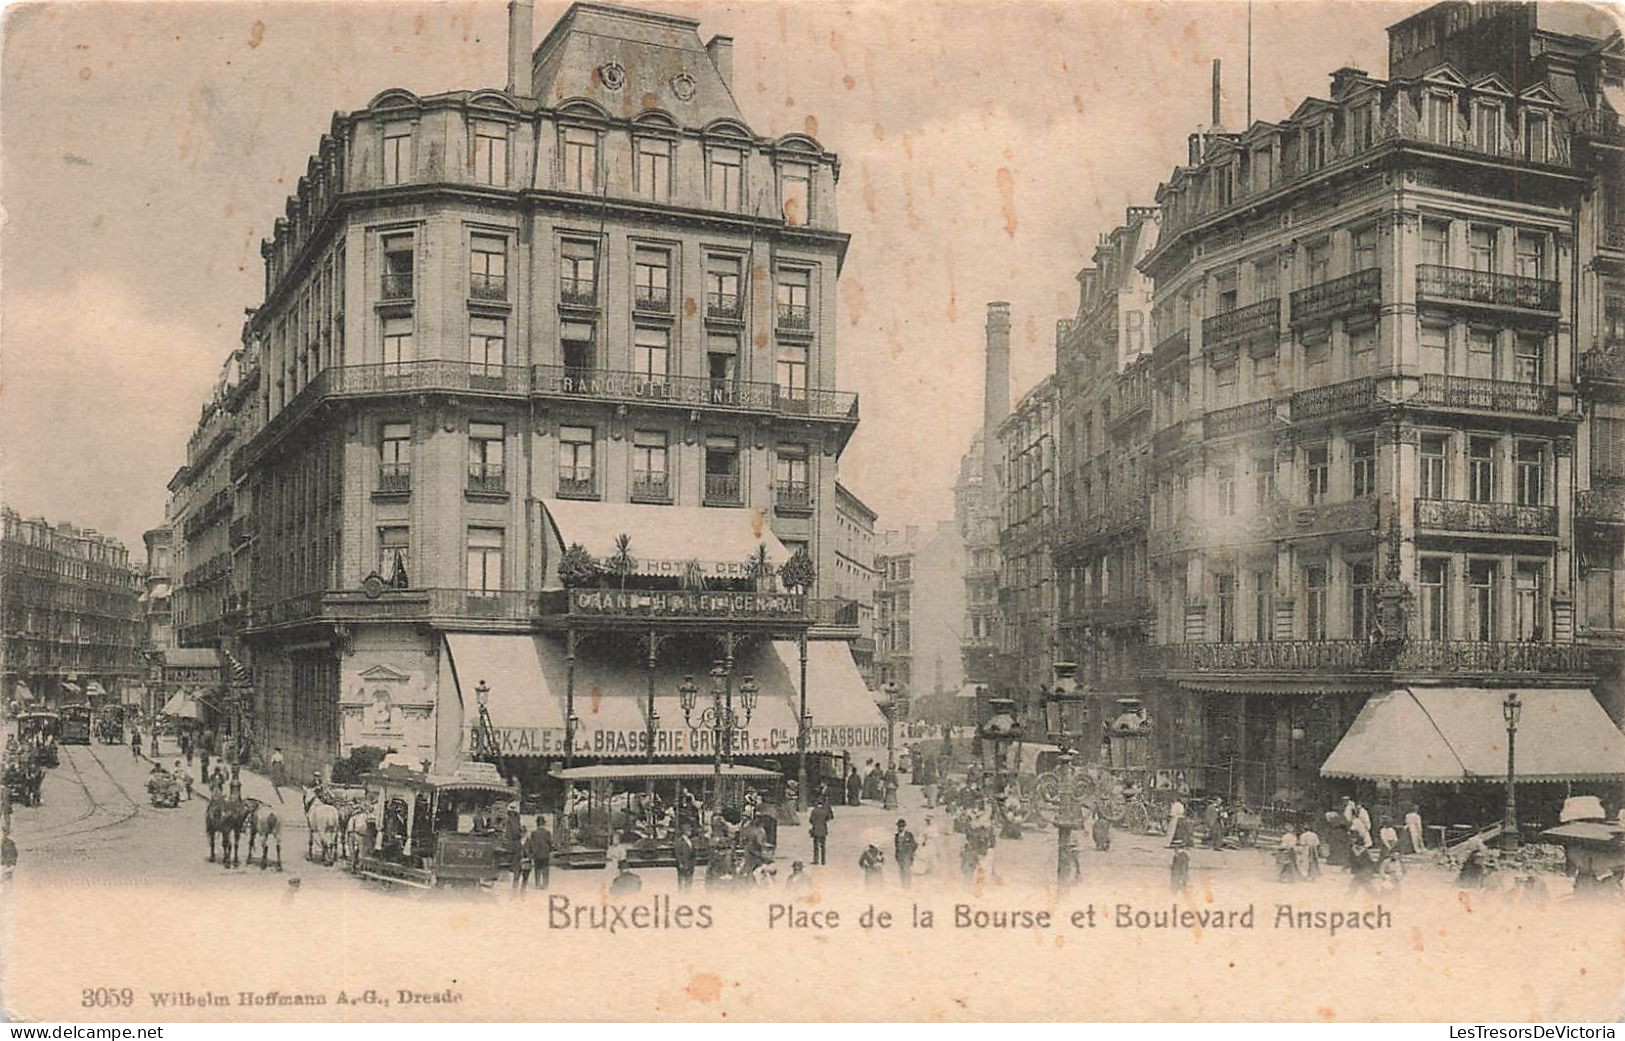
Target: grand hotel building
{"points": [[501, 323]]}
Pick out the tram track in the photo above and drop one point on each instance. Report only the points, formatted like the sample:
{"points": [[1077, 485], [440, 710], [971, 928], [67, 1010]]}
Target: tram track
{"points": [[114, 815]]}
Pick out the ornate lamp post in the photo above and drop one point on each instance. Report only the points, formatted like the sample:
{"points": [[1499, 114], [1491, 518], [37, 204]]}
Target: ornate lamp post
{"points": [[720, 716], [889, 708], [483, 745], [1511, 709]]}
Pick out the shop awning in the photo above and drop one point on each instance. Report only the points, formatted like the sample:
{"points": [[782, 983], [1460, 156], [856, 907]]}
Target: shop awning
{"points": [[72, 687], [659, 772], [23, 692], [181, 705], [665, 539], [1456, 734], [528, 678]]}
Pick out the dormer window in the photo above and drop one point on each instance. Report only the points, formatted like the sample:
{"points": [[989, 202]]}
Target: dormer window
{"points": [[1536, 144], [653, 171], [795, 193], [725, 177], [579, 152], [1438, 116], [1263, 168], [1487, 127], [490, 158], [1363, 126], [397, 152], [1313, 144]]}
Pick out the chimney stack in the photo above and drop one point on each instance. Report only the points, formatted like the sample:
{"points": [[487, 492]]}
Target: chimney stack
{"points": [[720, 49], [995, 395], [1217, 120], [521, 44]]}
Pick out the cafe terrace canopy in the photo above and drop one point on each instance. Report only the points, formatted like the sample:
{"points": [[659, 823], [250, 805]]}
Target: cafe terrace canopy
{"points": [[527, 678], [1458, 734], [181, 705], [665, 539]]}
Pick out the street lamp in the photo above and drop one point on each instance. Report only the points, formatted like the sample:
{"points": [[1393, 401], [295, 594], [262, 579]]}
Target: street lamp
{"points": [[1511, 709], [891, 690], [484, 747], [720, 716]]}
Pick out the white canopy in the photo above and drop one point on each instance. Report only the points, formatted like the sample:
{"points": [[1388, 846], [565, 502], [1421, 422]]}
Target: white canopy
{"points": [[665, 539]]}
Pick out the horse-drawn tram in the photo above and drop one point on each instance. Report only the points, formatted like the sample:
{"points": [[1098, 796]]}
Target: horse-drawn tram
{"points": [[39, 731], [428, 830], [76, 724]]}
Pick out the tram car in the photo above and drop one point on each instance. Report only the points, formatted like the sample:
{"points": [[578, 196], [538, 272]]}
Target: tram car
{"points": [[428, 830], [76, 724]]}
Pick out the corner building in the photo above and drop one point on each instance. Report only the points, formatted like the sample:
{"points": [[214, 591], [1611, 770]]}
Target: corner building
{"points": [[501, 323], [1366, 409]]}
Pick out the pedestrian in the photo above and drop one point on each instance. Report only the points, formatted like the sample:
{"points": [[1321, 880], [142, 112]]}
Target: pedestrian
{"points": [[1286, 857], [799, 883], [8, 857], [1473, 869], [1176, 817], [686, 856], [541, 851], [904, 846], [820, 818], [1179, 871], [625, 882], [1363, 871], [1413, 828], [153, 744], [1308, 853], [277, 766], [871, 861], [185, 777], [854, 788], [135, 742], [1101, 832], [513, 834], [1213, 817], [1388, 837]]}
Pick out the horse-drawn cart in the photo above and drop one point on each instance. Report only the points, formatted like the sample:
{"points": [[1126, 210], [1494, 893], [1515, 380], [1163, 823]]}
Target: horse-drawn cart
{"points": [[110, 725], [23, 778], [428, 830], [39, 731]]}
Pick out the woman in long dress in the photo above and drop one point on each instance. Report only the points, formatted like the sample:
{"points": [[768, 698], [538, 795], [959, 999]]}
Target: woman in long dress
{"points": [[1286, 857], [1308, 853]]}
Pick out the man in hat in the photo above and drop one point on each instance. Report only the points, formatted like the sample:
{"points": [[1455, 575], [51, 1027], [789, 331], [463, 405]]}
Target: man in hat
{"points": [[686, 855], [904, 847], [513, 834], [541, 851], [820, 817]]}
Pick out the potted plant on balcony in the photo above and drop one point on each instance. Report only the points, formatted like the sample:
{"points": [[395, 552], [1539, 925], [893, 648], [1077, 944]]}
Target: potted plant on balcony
{"points": [[577, 568], [622, 563], [693, 577], [798, 573], [760, 570]]}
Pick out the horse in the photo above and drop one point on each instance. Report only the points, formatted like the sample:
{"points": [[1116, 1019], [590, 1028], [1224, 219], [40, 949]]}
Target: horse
{"points": [[355, 834], [224, 817], [323, 821], [264, 825]]}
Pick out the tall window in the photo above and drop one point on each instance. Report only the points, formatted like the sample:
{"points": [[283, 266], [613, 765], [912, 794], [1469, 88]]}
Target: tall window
{"points": [[397, 344], [1434, 578], [1481, 469], [397, 153], [651, 353], [722, 299], [1487, 128], [1481, 248], [488, 267], [1362, 599], [1318, 472], [1531, 463], [1363, 126], [790, 474], [1225, 590], [575, 461], [1481, 354], [1314, 582], [395, 457], [1362, 349], [1264, 605], [578, 272], [650, 475], [1430, 476], [1528, 359], [725, 169], [1224, 287], [1319, 258], [795, 193], [721, 364], [1364, 244], [576, 345], [1439, 116], [490, 154], [1363, 467], [485, 561], [1435, 242], [1263, 481], [394, 551], [1531, 255], [1266, 279], [1263, 168], [398, 261], [1481, 582], [794, 298], [653, 173], [580, 158], [722, 484], [1224, 384], [651, 274], [485, 471], [487, 346], [1225, 483], [1313, 140], [792, 371], [1529, 595], [1434, 346], [1534, 136]]}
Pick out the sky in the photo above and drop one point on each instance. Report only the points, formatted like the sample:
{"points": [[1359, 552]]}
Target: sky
{"points": [[145, 149]]}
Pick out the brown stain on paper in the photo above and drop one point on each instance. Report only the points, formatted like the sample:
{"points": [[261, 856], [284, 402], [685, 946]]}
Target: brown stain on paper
{"points": [[256, 34], [704, 987], [1007, 189]]}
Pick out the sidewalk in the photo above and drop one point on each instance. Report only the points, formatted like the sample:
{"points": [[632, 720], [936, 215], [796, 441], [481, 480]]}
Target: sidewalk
{"points": [[255, 785]]}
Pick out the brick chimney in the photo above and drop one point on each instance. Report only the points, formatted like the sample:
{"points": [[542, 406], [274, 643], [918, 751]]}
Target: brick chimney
{"points": [[720, 49], [521, 43], [1345, 78], [995, 392]]}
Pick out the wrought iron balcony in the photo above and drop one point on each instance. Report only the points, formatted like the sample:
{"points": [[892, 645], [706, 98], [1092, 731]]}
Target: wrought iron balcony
{"points": [[1260, 319], [649, 486], [1485, 518], [1336, 399], [1239, 419], [508, 608], [1133, 397], [1605, 364], [1599, 125], [838, 613], [577, 484], [1602, 504], [652, 298], [485, 286], [614, 606], [1613, 237], [1489, 288], [793, 496], [1361, 291], [692, 392], [1487, 395], [1364, 656], [795, 317], [578, 292], [723, 490], [724, 305], [397, 285], [1169, 439], [394, 478], [1171, 349], [487, 478]]}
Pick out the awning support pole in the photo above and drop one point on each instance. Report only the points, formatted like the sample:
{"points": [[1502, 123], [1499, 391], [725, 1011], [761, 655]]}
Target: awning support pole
{"points": [[801, 732], [653, 722], [569, 698]]}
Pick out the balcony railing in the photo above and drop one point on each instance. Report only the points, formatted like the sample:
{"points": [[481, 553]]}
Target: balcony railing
{"points": [[724, 305], [1603, 504], [1133, 397], [395, 478], [1171, 348], [722, 490], [1434, 281], [1605, 364], [1356, 395], [512, 606], [1613, 237], [795, 317], [578, 292], [484, 286], [833, 614], [1357, 292], [1487, 518], [487, 478], [693, 391], [652, 298], [1441, 656], [576, 484], [672, 605], [1170, 438], [648, 486], [397, 285], [1239, 419], [793, 495], [1487, 395], [1599, 126], [1260, 319]]}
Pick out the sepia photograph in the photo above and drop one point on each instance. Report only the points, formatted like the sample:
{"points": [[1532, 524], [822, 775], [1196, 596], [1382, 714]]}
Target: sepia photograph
{"points": [[812, 511]]}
